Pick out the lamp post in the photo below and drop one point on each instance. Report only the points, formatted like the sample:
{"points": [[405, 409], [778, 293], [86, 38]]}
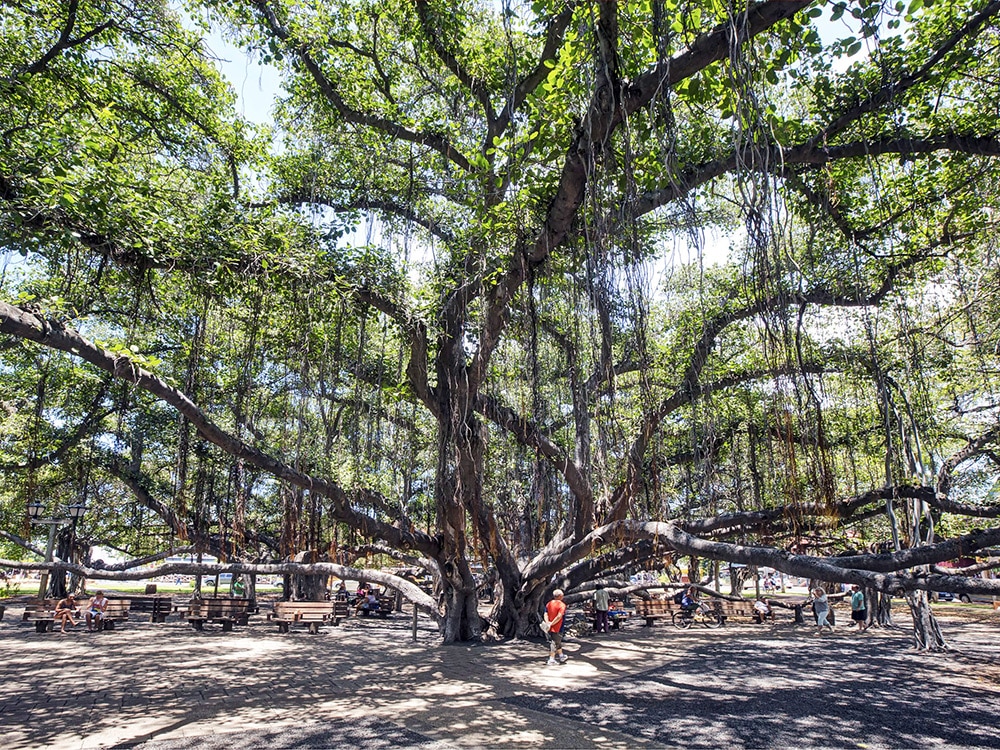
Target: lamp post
{"points": [[35, 510]]}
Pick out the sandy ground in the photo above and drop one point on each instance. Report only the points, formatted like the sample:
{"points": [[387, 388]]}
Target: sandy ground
{"points": [[367, 684]]}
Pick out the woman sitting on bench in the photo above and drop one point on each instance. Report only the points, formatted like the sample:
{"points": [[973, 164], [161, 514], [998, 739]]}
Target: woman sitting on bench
{"points": [[64, 611]]}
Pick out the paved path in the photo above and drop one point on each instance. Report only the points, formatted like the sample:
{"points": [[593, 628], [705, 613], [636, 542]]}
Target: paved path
{"points": [[366, 684]]}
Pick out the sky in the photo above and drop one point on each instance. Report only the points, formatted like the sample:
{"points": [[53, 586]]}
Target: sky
{"points": [[258, 86]]}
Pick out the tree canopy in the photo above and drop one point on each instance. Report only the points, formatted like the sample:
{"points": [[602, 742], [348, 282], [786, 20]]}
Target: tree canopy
{"points": [[567, 289]]}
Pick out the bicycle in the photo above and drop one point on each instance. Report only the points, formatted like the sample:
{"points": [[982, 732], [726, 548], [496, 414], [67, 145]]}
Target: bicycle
{"points": [[702, 614]]}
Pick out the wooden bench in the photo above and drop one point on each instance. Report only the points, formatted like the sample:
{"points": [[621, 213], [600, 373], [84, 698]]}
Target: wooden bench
{"points": [[312, 614], [727, 609], [223, 610], [157, 607], [655, 609], [341, 611], [617, 615], [663, 609], [43, 613]]}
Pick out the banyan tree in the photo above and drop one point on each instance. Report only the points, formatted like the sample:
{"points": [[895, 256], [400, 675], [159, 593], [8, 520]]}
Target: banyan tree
{"points": [[562, 289]]}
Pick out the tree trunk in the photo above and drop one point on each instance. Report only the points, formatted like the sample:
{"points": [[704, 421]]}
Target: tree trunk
{"points": [[308, 588], [737, 577], [516, 611], [926, 632], [879, 609]]}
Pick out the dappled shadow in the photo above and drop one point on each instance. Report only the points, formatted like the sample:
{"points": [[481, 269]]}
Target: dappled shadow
{"points": [[367, 684], [796, 690], [369, 735]]}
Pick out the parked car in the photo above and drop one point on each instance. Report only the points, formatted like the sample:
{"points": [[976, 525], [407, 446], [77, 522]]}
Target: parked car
{"points": [[224, 580], [948, 596]]}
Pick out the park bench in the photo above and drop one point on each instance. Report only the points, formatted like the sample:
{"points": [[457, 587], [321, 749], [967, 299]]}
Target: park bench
{"points": [[312, 614], [617, 614], [341, 611], [223, 610], [157, 607], [728, 609], [42, 613], [655, 609]]}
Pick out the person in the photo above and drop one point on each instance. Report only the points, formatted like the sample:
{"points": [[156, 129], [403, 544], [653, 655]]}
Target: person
{"points": [[689, 602], [762, 610], [239, 588], [601, 602], [95, 610], [369, 603], [859, 610], [821, 606], [555, 614], [342, 592], [64, 611]]}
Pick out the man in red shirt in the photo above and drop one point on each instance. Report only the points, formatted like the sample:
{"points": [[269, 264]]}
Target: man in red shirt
{"points": [[555, 613]]}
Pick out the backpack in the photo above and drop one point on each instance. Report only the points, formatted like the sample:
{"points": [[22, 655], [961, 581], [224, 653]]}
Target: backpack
{"points": [[679, 596]]}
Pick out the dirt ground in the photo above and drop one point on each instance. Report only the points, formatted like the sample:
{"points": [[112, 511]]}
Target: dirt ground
{"points": [[368, 684]]}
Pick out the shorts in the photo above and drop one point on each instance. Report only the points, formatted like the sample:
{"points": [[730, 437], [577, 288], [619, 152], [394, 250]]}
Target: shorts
{"points": [[859, 615], [555, 639]]}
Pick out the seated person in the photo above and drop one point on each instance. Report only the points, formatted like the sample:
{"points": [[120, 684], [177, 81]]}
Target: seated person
{"points": [[95, 610], [341, 594], [689, 602], [762, 610], [369, 603], [64, 611]]}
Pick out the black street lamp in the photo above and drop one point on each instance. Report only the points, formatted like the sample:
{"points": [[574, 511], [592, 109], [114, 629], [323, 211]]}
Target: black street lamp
{"points": [[35, 511]]}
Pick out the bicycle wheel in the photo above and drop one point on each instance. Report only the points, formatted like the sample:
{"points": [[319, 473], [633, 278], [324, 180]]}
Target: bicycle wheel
{"points": [[681, 620], [712, 620]]}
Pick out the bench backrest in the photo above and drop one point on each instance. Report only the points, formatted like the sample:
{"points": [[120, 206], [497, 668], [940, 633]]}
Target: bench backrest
{"points": [[209, 607], [735, 608], [40, 608], [154, 604], [117, 609], [284, 610], [655, 606]]}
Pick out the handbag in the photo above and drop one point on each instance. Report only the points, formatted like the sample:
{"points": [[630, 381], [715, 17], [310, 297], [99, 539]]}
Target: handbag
{"points": [[545, 625]]}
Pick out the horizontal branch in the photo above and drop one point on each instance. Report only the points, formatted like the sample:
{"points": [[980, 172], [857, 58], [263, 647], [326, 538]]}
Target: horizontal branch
{"points": [[410, 591], [778, 158], [879, 572]]}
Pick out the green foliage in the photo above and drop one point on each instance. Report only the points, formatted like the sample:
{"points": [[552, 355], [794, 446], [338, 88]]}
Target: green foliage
{"points": [[288, 292]]}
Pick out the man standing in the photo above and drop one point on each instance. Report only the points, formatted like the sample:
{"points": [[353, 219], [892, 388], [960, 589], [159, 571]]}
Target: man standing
{"points": [[95, 611], [555, 614], [601, 601], [859, 612]]}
